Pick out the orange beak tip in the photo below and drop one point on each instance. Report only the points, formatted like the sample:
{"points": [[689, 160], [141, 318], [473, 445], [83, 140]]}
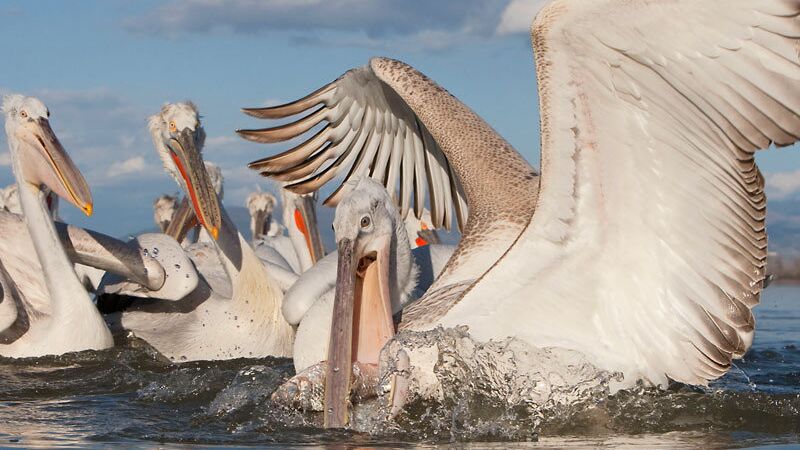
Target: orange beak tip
{"points": [[88, 209], [214, 233]]}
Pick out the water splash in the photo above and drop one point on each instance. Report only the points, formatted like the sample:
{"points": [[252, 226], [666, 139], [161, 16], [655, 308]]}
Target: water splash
{"points": [[465, 391], [462, 389]]}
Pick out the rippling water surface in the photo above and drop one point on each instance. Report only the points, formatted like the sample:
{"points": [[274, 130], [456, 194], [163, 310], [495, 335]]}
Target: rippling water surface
{"points": [[131, 396]]}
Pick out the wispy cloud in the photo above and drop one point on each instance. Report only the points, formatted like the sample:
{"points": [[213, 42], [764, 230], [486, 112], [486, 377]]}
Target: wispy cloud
{"points": [[129, 166], [783, 185], [425, 23], [5, 159], [518, 16], [221, 142]]}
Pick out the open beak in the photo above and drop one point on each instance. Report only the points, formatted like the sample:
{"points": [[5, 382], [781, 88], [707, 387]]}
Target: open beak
{"points": [[199, 190], [183, 220], [361, 324], [305, 218], [49, 164]]}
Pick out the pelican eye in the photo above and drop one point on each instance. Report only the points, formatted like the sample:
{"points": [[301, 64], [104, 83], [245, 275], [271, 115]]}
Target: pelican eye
{"points": [[365, 222], [172, 127], [23, 114]]}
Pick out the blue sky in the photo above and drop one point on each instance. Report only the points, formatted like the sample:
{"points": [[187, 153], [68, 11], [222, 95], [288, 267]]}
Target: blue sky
{"points": [[104, 66]]}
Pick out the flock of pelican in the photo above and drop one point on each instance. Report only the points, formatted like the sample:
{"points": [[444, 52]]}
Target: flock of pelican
{"points": [[641, 243]]}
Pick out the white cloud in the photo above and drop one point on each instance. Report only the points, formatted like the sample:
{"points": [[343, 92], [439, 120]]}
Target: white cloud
{"points": [[424, 23], [129, 166], [5, 159], [222, 141], [782, 185], [518, 16]]}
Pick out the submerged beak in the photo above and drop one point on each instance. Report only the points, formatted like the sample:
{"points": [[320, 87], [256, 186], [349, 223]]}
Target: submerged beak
{"points": [[182, 221], [199, 190], [305, 218], [361, 324], [49, 164]]}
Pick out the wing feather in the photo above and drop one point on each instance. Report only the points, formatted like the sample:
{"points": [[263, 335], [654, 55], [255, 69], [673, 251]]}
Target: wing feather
{"points": [[650, 226], [368, 131]]}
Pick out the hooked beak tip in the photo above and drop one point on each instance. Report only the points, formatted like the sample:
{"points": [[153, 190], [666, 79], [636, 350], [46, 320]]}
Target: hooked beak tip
{"points": [[88, 209], [214, 233]]}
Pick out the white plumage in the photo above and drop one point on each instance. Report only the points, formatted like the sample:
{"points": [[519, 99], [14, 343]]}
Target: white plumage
{"points": [[235, 310], [44, 308], [309, 303], [651, 113], [646, 246], [163, 210]]}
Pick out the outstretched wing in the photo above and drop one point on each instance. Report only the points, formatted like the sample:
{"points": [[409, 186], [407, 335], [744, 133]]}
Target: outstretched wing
{"points": [[368, 131], [649, 232]]}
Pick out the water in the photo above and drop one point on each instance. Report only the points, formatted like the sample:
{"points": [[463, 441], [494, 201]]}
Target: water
{"points": [[129, 395]]}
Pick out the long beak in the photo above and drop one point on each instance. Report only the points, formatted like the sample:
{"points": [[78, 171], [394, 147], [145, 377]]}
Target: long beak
{"points": [[361, 324], [260, 224], [340, 347], [52, 166], [163, 225], [182, 221], [198, 186], [427, 236], [266, 221], [305, 218]]}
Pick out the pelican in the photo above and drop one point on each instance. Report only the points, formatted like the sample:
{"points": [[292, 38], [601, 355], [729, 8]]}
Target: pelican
{"points": [[260, 205], [288, 256], [44, 309], [89, 275], [300, 219], [9, 200], [164, 208], [302, 247], [370, 232], [235, 311], [53, 315], [420, 229], [642, 244]]}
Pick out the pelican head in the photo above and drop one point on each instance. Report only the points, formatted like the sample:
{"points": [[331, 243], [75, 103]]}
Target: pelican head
{"points": [[260, 205], [39, 155], [164, 210], [179, 137], [368, 228]]}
